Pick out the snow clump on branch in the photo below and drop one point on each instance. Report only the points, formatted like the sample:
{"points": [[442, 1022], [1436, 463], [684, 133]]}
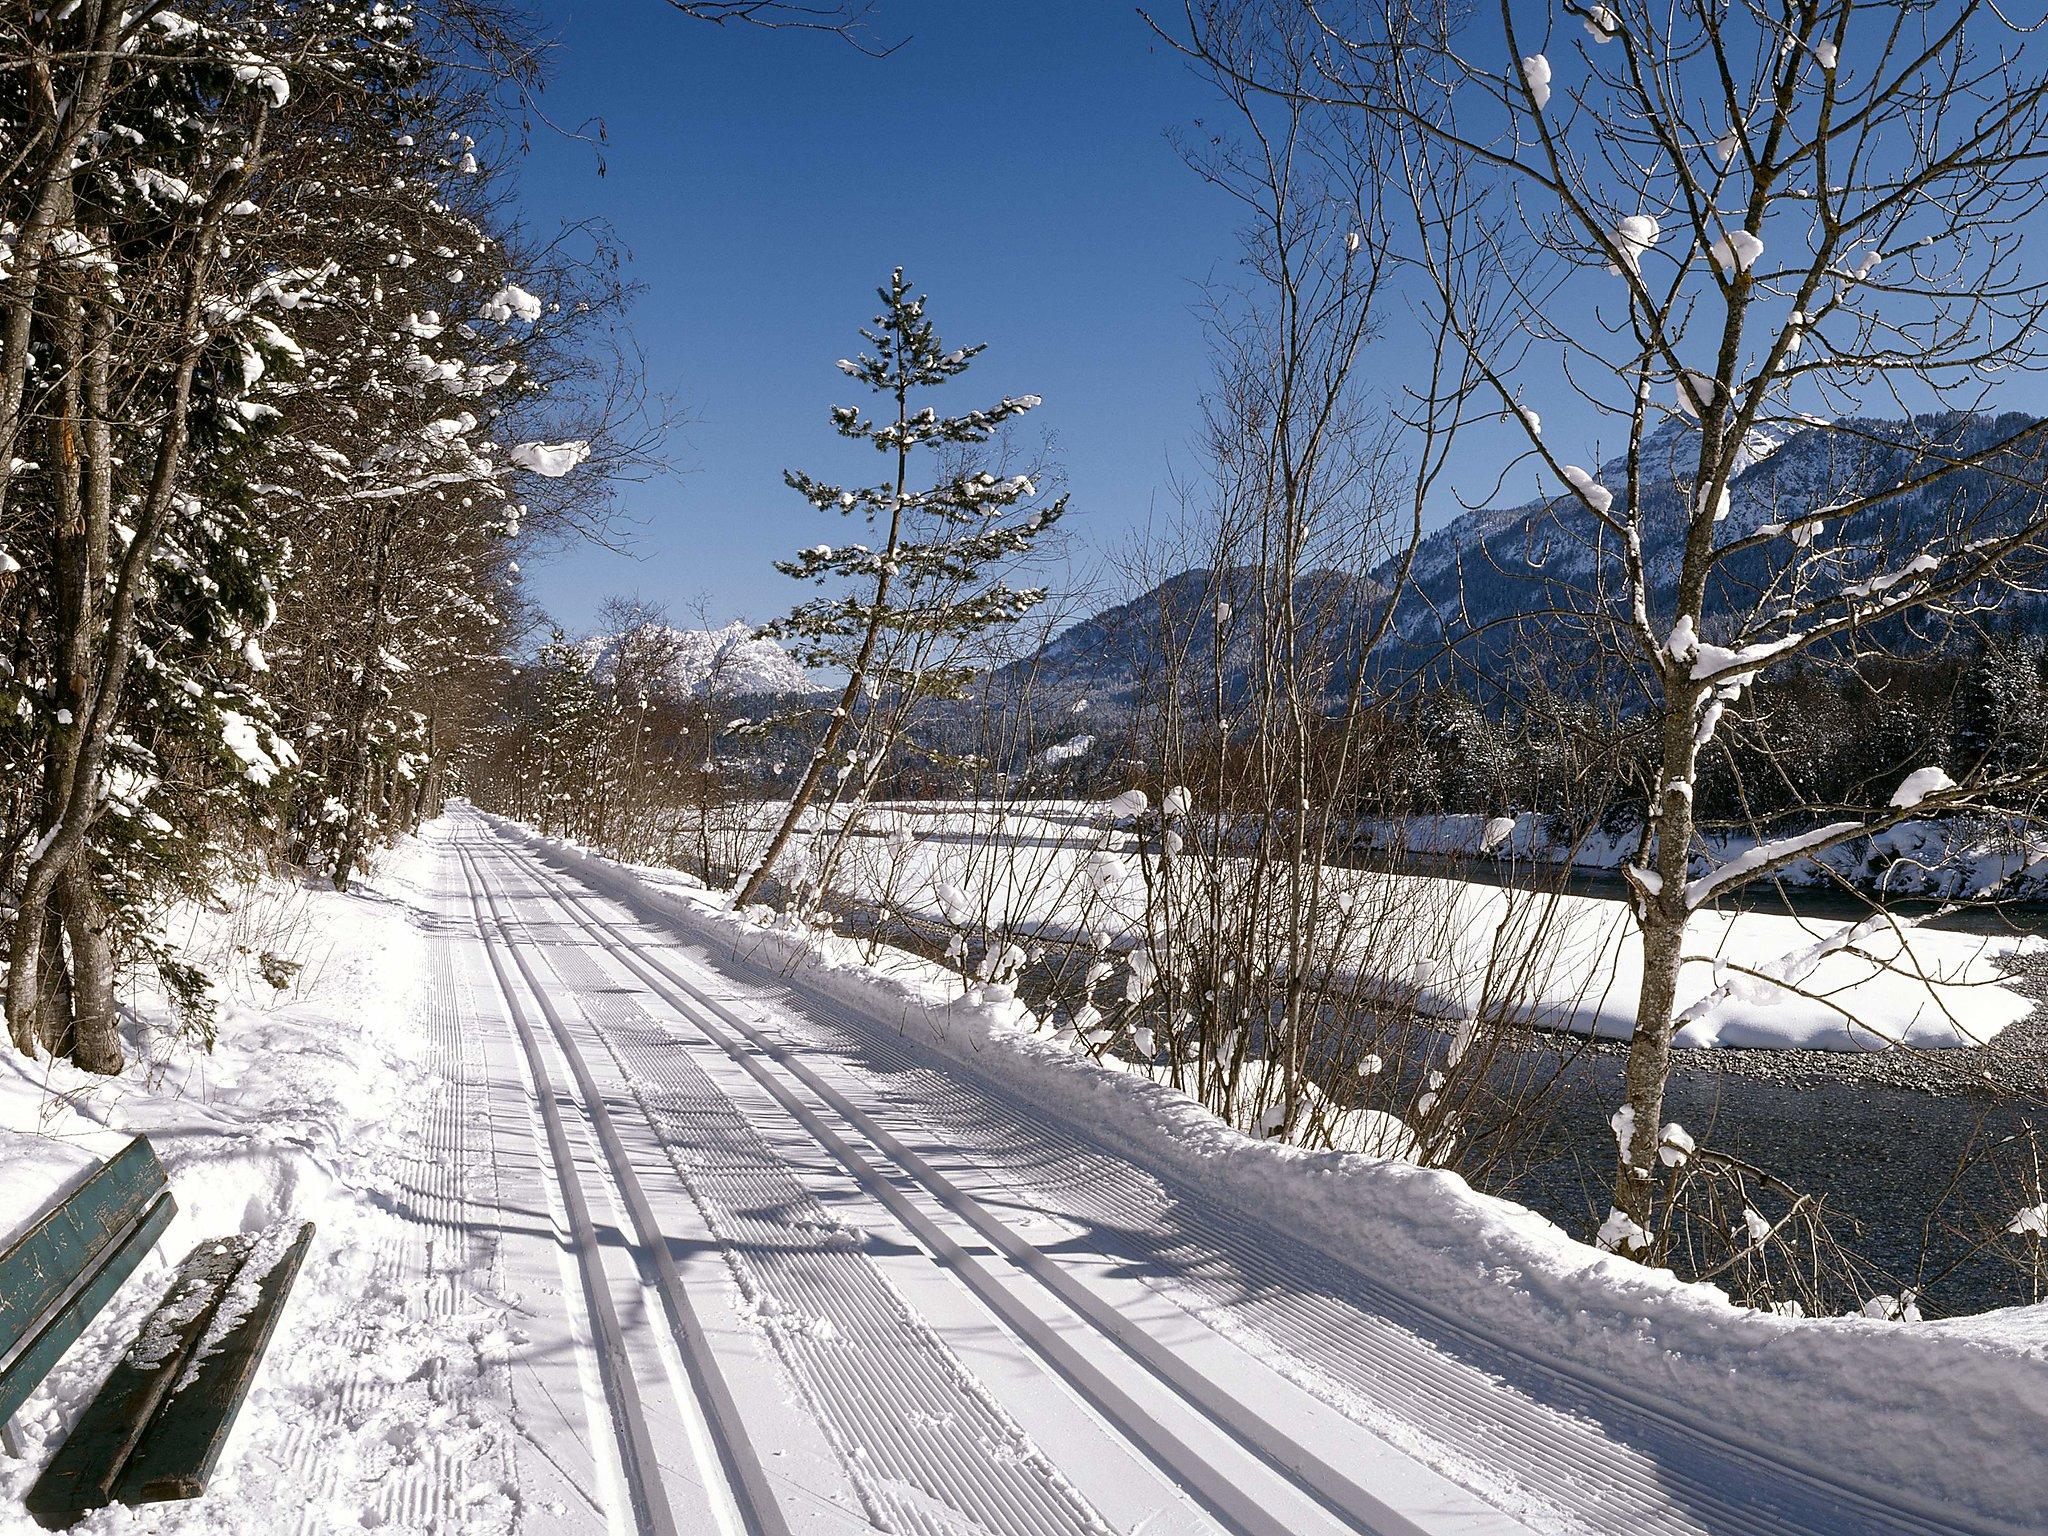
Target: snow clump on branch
{"points": [[511, 302], [1918, 785], [1596, 495], [551, 460], [1632, 237]]}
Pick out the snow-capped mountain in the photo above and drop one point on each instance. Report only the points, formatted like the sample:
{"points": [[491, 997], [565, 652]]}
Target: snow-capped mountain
{"points": [[1495, 565], [1489, 567], [732, 662]]}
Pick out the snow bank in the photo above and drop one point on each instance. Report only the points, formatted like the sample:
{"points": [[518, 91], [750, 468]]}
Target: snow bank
{"points": [[1955, 857], [1463, 947], [1945, 1418]]}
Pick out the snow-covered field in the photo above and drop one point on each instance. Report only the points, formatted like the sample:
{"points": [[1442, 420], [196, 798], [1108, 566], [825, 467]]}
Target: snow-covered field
{"points": [[1453, 1354], [1753, 979]]}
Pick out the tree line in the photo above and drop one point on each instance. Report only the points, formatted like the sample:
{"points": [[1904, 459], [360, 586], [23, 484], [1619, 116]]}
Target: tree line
{"points": [[284, 382]]}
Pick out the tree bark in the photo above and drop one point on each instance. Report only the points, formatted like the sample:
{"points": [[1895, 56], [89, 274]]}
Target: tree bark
{"points": [[95, 1037], [1663, 914], [53, 988]]}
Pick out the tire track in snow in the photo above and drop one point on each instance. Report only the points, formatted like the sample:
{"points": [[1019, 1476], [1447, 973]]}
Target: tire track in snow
{"points": [[651, 1510], [1333, 1487], [1357, 1347]]}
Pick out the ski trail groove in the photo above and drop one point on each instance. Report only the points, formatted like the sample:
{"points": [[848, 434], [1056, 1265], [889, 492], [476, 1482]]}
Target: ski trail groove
{"points": [[636, 1451], [914, 1428], [1336, 1490], [1696, 1479]]}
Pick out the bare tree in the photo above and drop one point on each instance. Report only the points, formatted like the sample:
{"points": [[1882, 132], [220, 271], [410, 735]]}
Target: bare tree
{"points": [[1721, 226]]}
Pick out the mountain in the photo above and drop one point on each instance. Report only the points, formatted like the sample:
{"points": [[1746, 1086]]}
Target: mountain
{"points": [[1483, 577], [732, 662], [1110, 658]]}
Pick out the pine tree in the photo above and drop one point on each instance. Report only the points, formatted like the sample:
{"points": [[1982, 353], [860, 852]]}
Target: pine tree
{"points": [[925, 583]]}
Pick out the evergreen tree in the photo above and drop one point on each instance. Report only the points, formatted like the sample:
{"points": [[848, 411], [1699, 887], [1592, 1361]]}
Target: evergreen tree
{"points": [[908, 602]]}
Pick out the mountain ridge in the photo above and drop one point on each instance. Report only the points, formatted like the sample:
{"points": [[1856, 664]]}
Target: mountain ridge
{"points": [[1490, 571]]}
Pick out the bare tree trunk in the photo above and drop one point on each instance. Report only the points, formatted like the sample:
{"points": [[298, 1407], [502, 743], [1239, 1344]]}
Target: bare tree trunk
{"points": [[95, 1040], [53, 988], [1662, 910]]}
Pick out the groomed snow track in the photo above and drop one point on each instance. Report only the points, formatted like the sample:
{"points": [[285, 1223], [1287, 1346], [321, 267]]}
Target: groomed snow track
{"points": [[876, 1293]]}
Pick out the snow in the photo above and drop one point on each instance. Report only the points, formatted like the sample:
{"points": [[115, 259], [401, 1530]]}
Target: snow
{"points": [[1596, 495], [1735, 252], [1536, 75], [511, 303], [550, 460], [1703, 890], [267, 77], [261, 762], [1633, 236], [1735, 664], [1601, 24], [1948, 857], [1064, 751], [1824, 54], [1620, 1233], [1683, 643], [1675, 1146], [1048, 867], [300, 1112], [732, 661], [1695, 390], [1918, 785], [1946, 1413]]}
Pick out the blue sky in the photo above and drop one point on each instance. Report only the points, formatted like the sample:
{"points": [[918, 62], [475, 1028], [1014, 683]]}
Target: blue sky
{"points": [[1013, 158]]}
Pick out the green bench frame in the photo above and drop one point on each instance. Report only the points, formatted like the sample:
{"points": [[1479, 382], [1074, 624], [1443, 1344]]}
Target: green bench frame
{"points": [[157, 1426]]}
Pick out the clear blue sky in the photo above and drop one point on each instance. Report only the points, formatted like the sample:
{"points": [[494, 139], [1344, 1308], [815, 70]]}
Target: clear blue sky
{"points": [[1012, 157]]}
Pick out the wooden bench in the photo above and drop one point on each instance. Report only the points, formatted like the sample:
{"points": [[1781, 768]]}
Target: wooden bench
{"points": [[160, 1419]]}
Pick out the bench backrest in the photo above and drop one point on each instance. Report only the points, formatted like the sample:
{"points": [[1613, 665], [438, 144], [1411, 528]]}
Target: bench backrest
{"points": [[57, 1276]]}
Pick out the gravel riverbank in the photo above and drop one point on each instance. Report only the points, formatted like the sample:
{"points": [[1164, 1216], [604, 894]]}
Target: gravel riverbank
{"points": [[1890, 1140]]}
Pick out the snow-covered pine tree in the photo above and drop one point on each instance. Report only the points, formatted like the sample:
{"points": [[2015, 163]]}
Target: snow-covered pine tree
{"points": [[141, 133], [927, 576]]}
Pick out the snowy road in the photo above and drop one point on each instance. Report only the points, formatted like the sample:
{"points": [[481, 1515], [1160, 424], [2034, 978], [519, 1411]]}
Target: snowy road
{"points": [[781, 1272]]}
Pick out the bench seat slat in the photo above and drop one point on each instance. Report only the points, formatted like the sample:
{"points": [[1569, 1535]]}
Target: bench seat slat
{"points": [[178, 1453], [82, 1475]]}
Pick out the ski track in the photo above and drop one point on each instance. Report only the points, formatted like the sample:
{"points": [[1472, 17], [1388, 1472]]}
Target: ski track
{"points": [[925, 1446], [931, 1454]]}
